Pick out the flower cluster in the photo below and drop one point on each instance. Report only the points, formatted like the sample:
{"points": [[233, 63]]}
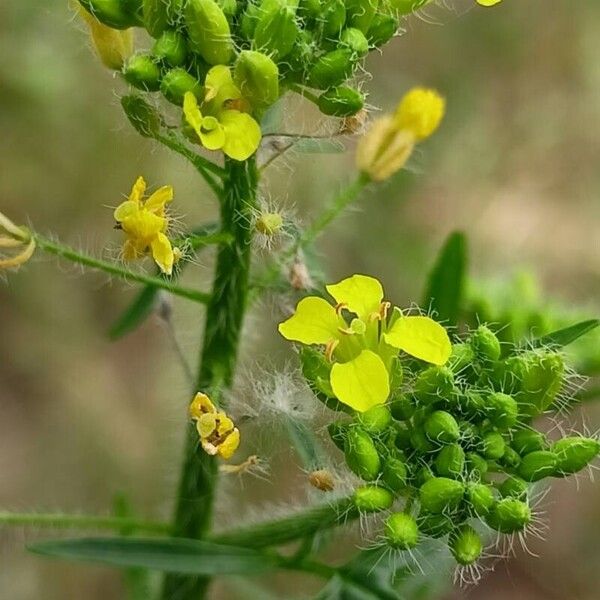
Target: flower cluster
{"points": [[446, 426], [18, 241]]}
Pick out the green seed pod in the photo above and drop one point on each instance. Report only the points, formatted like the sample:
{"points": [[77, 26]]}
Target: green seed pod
{"points": [[493, 446], [341, 101], [332, 68], [423, 475], [509, 515], [141, 115], [405, 7], [514, 487], [476, 464], [356, 40], [114, 13], [511, 458], [472, 404], [441, 494], [338, 432], [462, 357], [435, 526], [360, 13], [257, 76], [361, 454], [394, 474], [480, 498], [502, 410], [171, 47], [402, 407], [401, 531], [375, 420], [383, 28], [525, 441], [159, 15], [208, 31], [370, 498], [402, 439], [573, 454], [485, 344], [142, 72], [176, 82], [333, 17], [466, 545], [434, 384], [441, 427], [276, 31], [450, 462], [537, 465], [420, 442], [469, 433]]}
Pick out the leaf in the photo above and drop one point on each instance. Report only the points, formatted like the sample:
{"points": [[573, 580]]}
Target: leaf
{"points": [[173, 555], [446, 283], [563, 337], [135, 314]]}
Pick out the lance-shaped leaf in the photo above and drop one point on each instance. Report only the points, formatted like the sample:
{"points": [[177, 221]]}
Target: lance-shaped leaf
{"points": [[564, 337]]}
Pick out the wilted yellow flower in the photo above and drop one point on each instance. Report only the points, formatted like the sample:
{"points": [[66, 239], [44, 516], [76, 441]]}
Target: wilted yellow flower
{"points": [[145, 223], [218, 433], [17, 240]]}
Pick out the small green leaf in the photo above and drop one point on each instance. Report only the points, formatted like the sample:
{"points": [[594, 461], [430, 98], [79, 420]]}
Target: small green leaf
{"points": [[446, 284], [563, 337], [173, 555]]}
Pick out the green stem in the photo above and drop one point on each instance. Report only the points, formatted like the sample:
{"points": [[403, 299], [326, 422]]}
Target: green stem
{"points": [[73, 255], [223, 323], [65, 521]]}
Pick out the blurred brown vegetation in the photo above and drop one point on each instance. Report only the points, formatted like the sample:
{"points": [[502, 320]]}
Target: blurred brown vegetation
{"points": [[515, 165]]}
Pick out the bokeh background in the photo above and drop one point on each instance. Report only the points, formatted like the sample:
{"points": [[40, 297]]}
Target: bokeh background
{"points": [[515, 166]]}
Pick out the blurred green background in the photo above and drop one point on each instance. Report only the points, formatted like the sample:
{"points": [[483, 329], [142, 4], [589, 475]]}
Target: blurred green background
{"points": [[515, 165]]}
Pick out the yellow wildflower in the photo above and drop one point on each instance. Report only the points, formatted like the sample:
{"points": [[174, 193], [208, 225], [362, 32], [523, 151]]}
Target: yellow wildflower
{"points": [[218, 434], [19, 242], [420, 111], [362, 337], [145, 223]]}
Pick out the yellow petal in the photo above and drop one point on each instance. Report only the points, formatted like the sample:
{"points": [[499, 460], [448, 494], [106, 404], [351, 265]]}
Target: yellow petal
{"points": [[138, 190], [200, 405], [162, 253], [206, 424], [314, 322], [224, 423], [126, 209], [488, 2], [361, 294], [157, 201], [420, 111], [132, 249], [212, 134], [361, 383], [191, 112], [219, 88], [229, 445], [242, 134], [420, 337]]}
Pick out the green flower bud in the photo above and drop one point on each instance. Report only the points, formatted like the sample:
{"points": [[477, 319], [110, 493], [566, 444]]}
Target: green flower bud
{"points": [[493, 446], [394, 474], [382, 30], [333, 17], [469, 433], [370, 498], [466, 545], [176, 82], [402, 407], [159, 15], [276, 31], [141, 115], [338, 432], [356, 40], [420, 442], [441, 494], [537, 465], [485, 344], [171, 47], [257, 76], [511, 458], [401, 531], [421, 415], [434, 384], [423, 475], [361, 13], [462, 357], [402, 439], [310, 8], [341, 101], [476, 464], [442, 427], [142, 72], [332, 68], [525, 441], [435, 526], [208, 31], [480, 498], [450, 462], [405, 7], [114, 13], [361, 454], [502, 410], [472, 404], [574, 454], [375, 420], [509, 515], [514, 487]]}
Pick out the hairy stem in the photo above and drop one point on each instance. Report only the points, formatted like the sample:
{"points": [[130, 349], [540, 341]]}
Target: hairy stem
{"points": [[223, 323]]}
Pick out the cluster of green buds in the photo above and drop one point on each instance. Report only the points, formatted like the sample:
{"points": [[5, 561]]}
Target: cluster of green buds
{"points": [[458, 443]]}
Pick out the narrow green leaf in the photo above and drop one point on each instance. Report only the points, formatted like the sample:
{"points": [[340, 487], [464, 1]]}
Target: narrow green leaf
{"points": [[563, 337], [173, 555], [135, 314], [446, 283]]}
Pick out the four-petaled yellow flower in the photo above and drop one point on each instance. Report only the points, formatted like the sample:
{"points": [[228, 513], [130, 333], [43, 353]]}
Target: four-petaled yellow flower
{"points": [[18, 241], [145, 223], [218, 434], [218, 122], [362, 335]]}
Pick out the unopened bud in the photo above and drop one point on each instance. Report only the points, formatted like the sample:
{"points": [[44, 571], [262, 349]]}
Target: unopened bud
{"points": [[450, 462], [514, 487], [142, 72], [370, 498], [375, 420], [502, 410], [485, 344], [493, 446], [208, 31], [441, 427], [332, 68], [441, 494], [361, 454], [509, 515], [276, 30], [171, 47], [382, 30], [525, 441], [480, 498], [574, 453], [434, 384], [537, 465], [257, 76], [176, 83], [395, 474], [341, 101], [466, 545], [355, 40], [401, 531], [269, 224]]}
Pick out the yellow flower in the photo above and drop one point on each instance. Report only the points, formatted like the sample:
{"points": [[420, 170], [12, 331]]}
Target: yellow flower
{"points": [[19, 242], [145, 223], [488, 2], [218, 434], [363, 337], [219, 123], [390, 140]]}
